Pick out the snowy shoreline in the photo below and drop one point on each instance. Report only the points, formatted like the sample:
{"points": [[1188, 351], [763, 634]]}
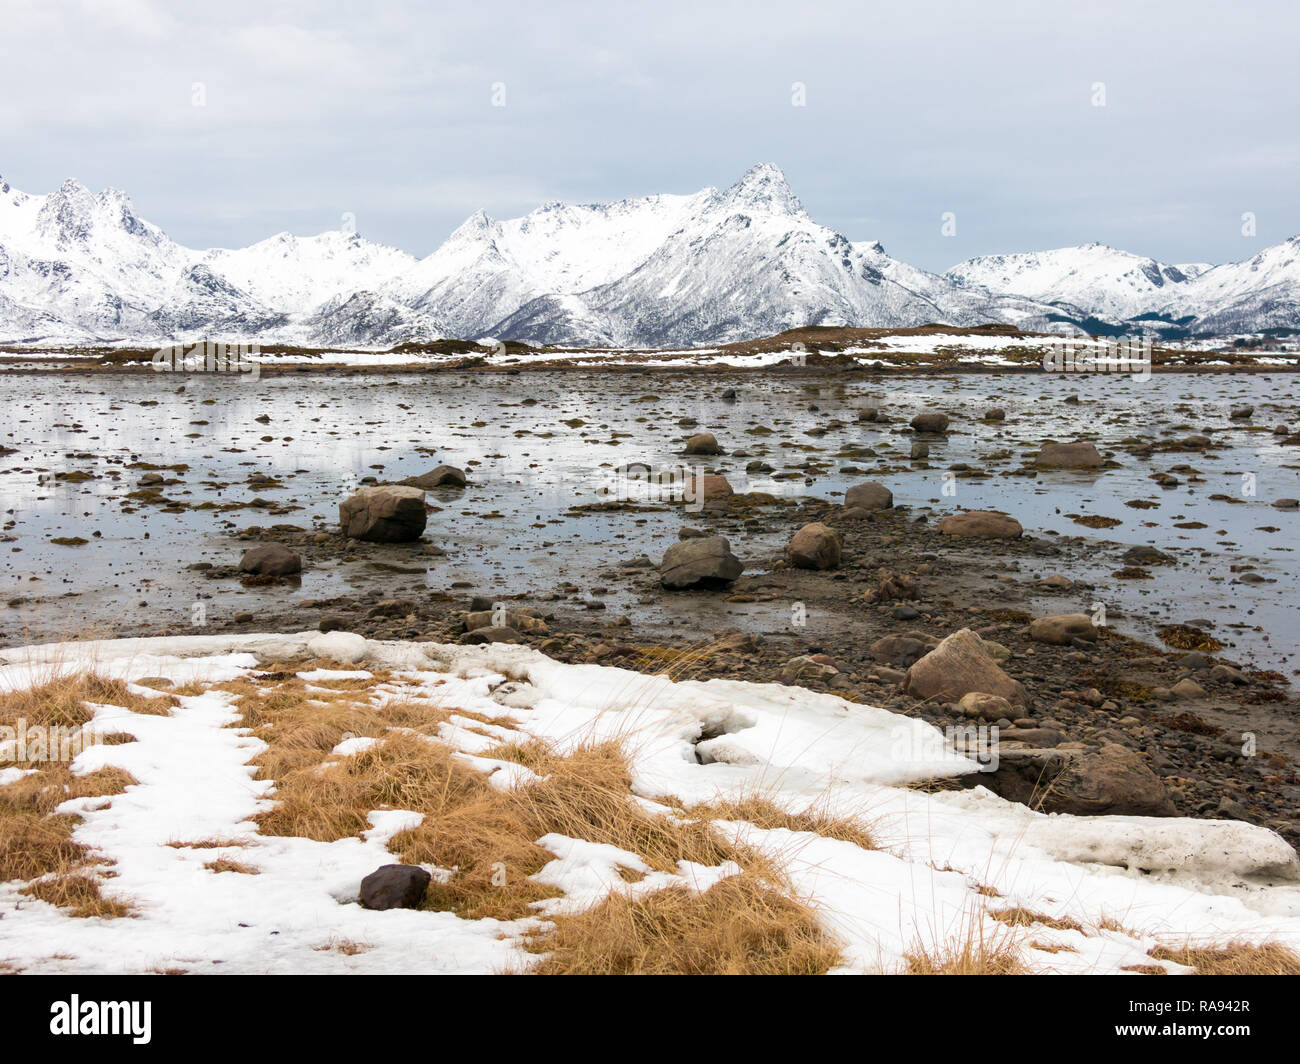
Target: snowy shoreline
{"points": [[1164, 881]]}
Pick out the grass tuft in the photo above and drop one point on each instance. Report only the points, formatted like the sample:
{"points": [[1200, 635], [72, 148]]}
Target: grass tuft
{"points": [[739, 926], [1235, 958]]}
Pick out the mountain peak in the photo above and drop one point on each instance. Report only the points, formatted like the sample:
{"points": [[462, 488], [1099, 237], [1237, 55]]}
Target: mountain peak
{"points": [[764, 187], [67, 213], [473, 227]]}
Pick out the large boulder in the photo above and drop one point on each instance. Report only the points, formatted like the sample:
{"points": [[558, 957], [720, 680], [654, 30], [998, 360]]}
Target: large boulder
{"points": [[930, 421], [869, 496], [1111, 781], [981, 524], [437, 477], [1081, 455], [958, 665], [703, 561], [270, 559], [703, 443], [395, 886], [1062, 629], [815, 546], [392, 513]]}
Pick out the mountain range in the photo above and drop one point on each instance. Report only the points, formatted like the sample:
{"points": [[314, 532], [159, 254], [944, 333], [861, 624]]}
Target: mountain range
{"points": [[658, 271]]}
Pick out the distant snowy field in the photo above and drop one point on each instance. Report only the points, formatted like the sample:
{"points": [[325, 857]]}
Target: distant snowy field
{"points": [[900, 350], [1165, 881]]}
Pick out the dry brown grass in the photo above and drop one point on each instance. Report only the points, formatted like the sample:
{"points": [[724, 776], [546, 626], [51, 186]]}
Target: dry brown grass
{"points": [[327, 802], [533, 754], [1020, 917], [36, 843], [739, 926], [203, 844], [973, 951], [677, 663], [225, 864], [325, 798], [302, 726], [489, 836], [61, 701], [486, 835], [1234, 958], [586, 794], [1051, 947], [79, 893], [33, 845], [764, 813]]}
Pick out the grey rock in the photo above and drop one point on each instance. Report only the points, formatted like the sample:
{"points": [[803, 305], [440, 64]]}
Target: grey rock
{"points": [[705, 562], [393, 513]]}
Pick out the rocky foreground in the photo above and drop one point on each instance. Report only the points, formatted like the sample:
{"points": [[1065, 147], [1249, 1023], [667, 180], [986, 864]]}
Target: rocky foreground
{"points": [[877, 605]]}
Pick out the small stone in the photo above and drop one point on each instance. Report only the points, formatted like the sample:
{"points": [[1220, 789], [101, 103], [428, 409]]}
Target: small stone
{"points": [[395, 886]]}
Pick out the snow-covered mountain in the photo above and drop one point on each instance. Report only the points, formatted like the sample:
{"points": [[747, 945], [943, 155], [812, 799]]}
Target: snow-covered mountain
{"points": [[664, 270], [1091, 280]]}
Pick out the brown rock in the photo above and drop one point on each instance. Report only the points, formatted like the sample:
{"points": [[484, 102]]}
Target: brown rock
{"points": [[491, 634], [981, 524], [930, 421], [1113, 780], [957, 666], [519, 620], [1081, 455], [985, 706], [869, 496], [800, 669], [703, 443], [815, 546], [902, 650], [1063, 629], [270, 559], [443, 474], [703, 487]]}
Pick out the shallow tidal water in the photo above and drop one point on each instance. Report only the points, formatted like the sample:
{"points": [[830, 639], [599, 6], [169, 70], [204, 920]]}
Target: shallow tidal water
{"points": [[540, 442]]}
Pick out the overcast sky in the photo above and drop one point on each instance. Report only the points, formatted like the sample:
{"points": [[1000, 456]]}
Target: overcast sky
{"points": [[386, 111]]}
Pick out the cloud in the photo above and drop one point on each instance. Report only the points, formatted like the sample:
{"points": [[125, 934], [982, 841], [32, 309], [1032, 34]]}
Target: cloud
{"points": [[141, 18], [912, 110]]}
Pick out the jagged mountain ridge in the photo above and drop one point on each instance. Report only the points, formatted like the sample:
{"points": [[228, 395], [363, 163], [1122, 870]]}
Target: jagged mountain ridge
{"points": [[656, 271]]}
